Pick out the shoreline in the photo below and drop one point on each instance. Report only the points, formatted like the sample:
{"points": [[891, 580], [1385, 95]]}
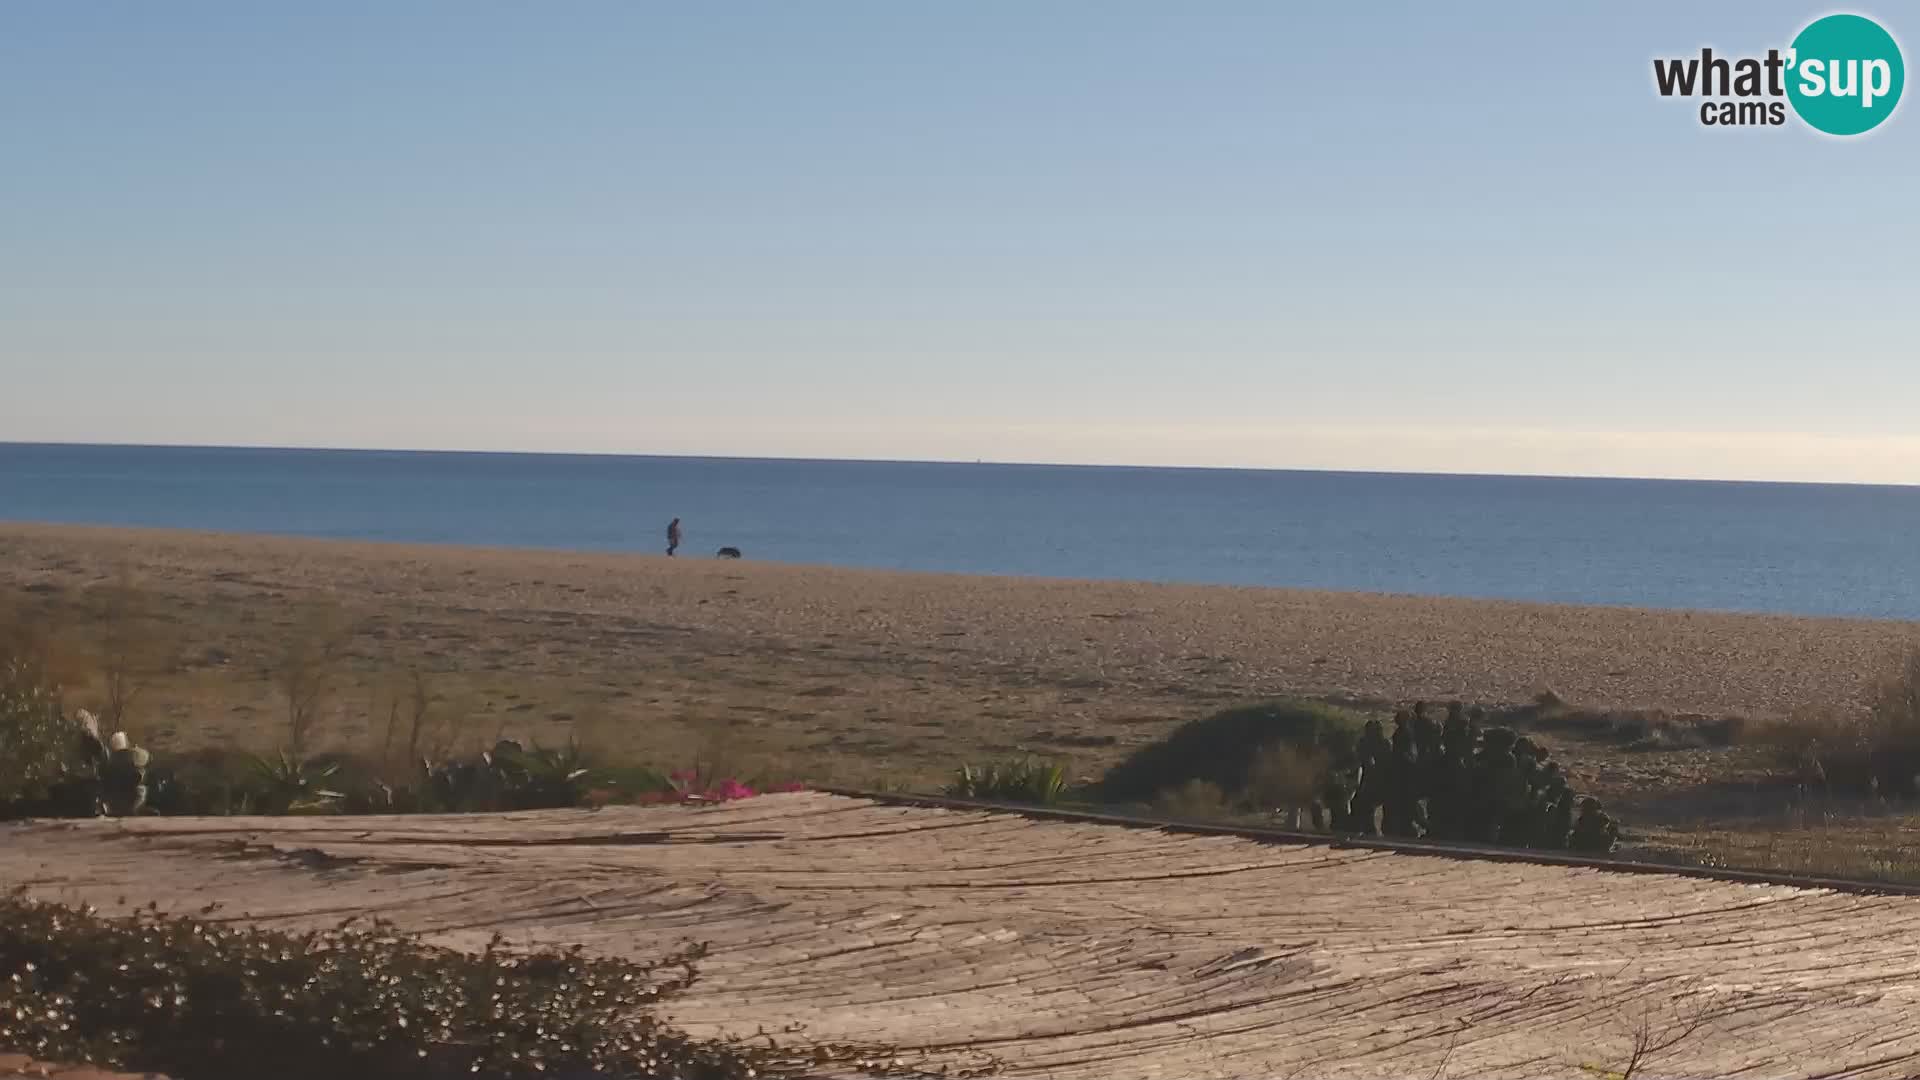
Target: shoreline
{"points": [[416, 547]]}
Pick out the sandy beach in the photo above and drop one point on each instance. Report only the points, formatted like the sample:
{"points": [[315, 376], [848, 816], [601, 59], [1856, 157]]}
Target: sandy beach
{"points": [[855, 675]]}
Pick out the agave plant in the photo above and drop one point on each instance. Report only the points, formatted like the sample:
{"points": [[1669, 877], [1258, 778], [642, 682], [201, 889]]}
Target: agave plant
{"points": [[540, 778], [291, 784], [1029, 780], [972, 781]]}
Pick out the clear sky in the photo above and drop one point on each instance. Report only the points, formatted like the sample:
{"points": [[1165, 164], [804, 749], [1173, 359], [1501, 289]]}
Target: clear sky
{"points": [[1386, 236]]}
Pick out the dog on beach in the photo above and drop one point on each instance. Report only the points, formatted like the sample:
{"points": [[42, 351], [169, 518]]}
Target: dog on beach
{"points": [[728, 553]]}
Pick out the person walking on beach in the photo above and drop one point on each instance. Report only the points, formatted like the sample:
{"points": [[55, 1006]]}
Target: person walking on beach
{"points": [[673, 536]]}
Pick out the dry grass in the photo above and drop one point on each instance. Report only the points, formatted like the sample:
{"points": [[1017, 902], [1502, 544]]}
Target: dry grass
{"points": [[1845, 841], [1873, 751], [1286, 776], [1195, 800], [310, 671], [419, 728], [126, 649]]}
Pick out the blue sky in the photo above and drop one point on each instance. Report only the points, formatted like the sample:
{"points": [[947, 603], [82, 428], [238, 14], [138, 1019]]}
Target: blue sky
{"points": [[1337, 236]]}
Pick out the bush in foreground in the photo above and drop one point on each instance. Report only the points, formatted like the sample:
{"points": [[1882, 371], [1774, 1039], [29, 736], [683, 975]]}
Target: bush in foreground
{"points": [[195, 999], [39, 746]]}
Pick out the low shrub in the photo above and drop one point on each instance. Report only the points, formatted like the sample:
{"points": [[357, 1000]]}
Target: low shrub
{"points": [[219, 782], [197, 999], [1454, 781], [1875, 752], [1274, 744], [1027, 780], [508, 777], [1195, 799], [287, 783]]}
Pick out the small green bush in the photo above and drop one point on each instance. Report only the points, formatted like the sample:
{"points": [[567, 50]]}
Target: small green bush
{"points": [[540, 778], [1027, 780], [196, 999], [1230, 751], [508, 777], [287, 783]]}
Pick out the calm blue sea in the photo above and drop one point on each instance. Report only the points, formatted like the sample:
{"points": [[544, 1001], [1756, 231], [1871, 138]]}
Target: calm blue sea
{"points": [[1800, 548]]}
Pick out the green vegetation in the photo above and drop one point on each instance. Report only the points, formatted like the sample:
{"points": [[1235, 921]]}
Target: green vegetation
{"points": [[53, 764], [198, 999], [1246, 753], [285, 783], [1027, 780], [218, 783]]}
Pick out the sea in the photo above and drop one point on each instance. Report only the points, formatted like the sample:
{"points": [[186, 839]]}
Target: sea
{"points": [[1810, 549]]}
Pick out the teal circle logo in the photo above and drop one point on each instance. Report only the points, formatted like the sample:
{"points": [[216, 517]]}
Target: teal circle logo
{"points": [[1845, 74]]}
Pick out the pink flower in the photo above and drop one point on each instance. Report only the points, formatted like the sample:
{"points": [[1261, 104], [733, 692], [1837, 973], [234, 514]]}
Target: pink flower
{"points": [[684, 793], [730, 789]]}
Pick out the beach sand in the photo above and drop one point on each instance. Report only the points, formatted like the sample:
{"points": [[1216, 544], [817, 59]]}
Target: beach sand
{"points": [[854, 676]]}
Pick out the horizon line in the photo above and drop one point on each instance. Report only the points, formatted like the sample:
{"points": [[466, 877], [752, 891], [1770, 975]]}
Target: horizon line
{"points": [[805, 459]]}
